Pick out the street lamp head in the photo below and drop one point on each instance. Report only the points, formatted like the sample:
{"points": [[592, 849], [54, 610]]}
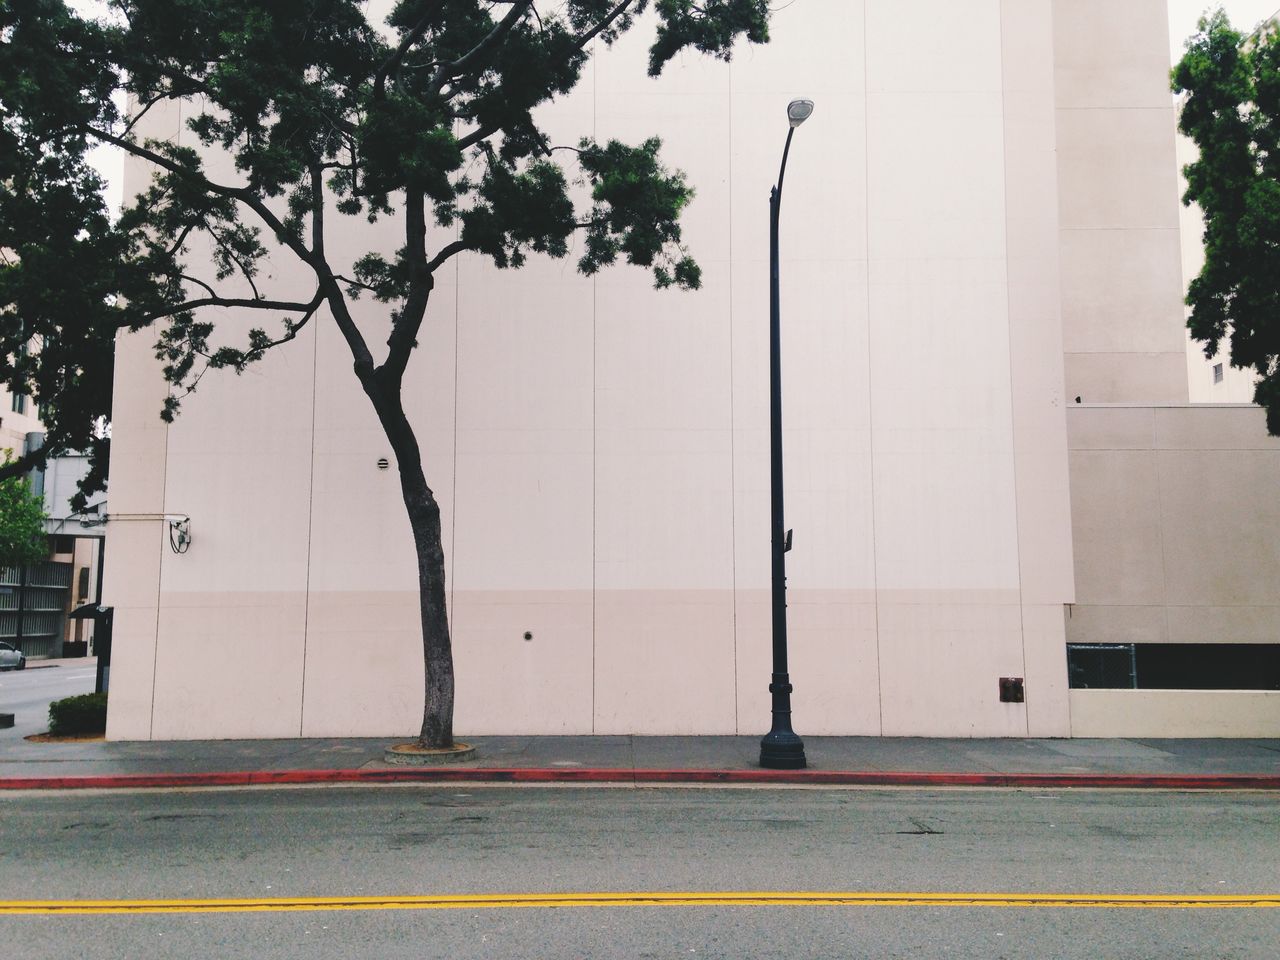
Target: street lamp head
{"points": [[798, 111]]}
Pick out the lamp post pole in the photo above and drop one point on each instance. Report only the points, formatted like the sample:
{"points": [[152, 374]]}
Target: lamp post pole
{"points": [[781, 748]]}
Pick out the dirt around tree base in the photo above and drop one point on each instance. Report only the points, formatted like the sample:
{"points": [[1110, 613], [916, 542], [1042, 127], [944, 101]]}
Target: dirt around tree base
{"points": [[70, 738], [413, 754]]}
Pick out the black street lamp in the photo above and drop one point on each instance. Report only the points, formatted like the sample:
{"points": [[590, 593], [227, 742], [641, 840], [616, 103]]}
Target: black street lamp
{"points": [[781, 748]]}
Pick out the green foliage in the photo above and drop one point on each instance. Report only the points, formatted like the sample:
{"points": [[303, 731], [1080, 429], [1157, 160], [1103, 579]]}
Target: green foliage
{"points": [[22, 536], [62, 266], [326, 118], [71, 716], [636, 212], [708, 26], [1231, 110]]}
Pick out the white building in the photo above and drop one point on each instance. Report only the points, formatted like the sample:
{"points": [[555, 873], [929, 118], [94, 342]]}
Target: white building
{"points": [[980, 227]]}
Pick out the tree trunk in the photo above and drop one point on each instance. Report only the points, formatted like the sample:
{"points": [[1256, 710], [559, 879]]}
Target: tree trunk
{"points": [[424, 519], [437, 647], [383, 386]]}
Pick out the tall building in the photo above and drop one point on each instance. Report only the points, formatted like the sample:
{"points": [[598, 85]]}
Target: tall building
{"points": [[990, 457]]}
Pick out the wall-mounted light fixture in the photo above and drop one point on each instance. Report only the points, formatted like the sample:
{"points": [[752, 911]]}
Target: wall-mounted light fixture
{"points": [[179, 526], [180, 535]]}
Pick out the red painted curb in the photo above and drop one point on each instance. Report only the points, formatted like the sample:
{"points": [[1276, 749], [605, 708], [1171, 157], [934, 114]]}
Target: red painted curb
{"points": [[616, 775]]}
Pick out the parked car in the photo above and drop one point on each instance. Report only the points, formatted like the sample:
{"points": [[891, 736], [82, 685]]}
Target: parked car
{"points": [[11, 658]]}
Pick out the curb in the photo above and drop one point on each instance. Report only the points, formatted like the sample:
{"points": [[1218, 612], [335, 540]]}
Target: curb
{"points": [[535, 775]]}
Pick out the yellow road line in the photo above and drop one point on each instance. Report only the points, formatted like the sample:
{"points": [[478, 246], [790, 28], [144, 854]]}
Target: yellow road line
{"points": [[695, 899]]}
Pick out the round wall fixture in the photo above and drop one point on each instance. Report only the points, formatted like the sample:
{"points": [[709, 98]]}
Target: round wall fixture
{"points": [[383, 463]]}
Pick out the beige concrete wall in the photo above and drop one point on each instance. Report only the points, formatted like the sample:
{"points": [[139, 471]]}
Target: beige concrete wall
{"points": [[1120, 246], [600, 450], [1175, 713], [1174, 519], [1035, 358], [137, 475]]}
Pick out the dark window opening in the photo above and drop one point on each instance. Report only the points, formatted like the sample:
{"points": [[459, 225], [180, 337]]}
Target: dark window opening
{"points": [[1100, 666], [1174, 666], [19, 403], [64, 544]]}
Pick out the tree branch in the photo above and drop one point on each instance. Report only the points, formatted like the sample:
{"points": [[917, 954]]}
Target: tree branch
{"points": [[447, 71], [328, 286], [603, 25], [24, 464], [293, 328], [133, 121], [330, 290], [251, 303], [243, 194], [406, 43], [404, 331], [477, 135], [180, 240], [483, 133], [351, 333], [317, 210], [354, 283], [447, 251], [231, 255], [199, 283]]}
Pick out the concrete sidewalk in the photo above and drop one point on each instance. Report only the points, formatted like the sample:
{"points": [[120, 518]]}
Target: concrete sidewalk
{"points": [[867, 761], [47, 662]]}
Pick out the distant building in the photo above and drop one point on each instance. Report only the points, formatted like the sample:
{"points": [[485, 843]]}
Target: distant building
{"points": [[35, 601], [993, 470], [19, 423], [75, 538]]}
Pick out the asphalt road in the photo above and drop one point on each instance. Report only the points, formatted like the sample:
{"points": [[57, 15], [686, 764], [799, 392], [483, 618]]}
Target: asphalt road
{"points": [[388, 842], [27, 694]]}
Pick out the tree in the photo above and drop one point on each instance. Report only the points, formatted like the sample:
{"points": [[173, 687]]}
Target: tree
{"points": [[22, 537], [1231, 110], [428, 122]]}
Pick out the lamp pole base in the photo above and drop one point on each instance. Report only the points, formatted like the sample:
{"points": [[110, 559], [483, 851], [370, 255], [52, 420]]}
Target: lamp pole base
{"points": [[782, 750]]}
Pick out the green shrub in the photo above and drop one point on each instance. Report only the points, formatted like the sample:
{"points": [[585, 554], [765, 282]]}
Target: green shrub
{"points": [[86, 713]]}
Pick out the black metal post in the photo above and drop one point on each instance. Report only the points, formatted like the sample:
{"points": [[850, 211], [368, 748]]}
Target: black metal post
{"points": [[102, 648], [781, 748]]}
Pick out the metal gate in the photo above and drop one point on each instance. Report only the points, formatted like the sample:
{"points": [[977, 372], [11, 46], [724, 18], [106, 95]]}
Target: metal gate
{"points": [[33, 606]]}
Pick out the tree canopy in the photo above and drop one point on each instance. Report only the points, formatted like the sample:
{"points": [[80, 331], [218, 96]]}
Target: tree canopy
{"points": [[423, 127], [22, 536], [1231, 109], [315, 102]]}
